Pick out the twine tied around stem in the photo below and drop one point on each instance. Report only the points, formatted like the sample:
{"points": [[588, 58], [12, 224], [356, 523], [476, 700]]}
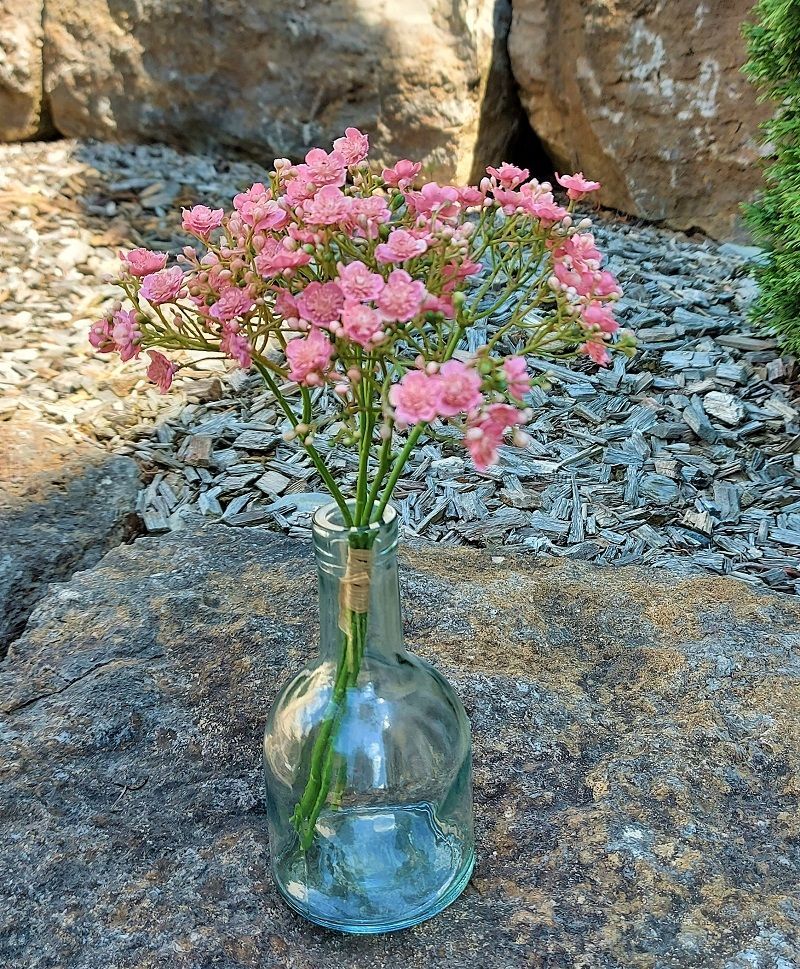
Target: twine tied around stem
{"points": [[355, 585]]}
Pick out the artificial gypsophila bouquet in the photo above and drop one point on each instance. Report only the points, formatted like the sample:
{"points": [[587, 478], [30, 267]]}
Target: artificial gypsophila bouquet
{"points": [[366, 291]]}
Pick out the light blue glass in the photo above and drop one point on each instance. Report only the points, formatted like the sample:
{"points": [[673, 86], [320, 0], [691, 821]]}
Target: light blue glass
{"points": [[367, 755]]}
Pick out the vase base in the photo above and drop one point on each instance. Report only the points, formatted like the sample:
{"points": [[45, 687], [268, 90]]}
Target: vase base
{"points": [[376, 870]]}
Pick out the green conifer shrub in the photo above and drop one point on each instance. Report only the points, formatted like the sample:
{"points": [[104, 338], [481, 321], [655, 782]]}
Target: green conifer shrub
{"points": [[773, 41]]}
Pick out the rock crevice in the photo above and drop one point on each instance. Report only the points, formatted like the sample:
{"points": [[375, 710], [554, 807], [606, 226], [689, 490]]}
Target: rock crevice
{"points": [[62, 507], [647, 98]]}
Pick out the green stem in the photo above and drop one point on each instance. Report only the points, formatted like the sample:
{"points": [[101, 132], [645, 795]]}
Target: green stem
{"points": [[366, 427], [312, 452], [318, 785], [397, 468]]}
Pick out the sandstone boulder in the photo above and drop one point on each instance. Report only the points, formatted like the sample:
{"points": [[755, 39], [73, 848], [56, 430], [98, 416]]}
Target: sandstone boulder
{"points": [[637, 764], [649, 99], [426, 80], [62, 507], [22, 115]]}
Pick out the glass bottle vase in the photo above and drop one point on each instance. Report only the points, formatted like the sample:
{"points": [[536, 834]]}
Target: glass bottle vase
{"points": [[367, 755]]}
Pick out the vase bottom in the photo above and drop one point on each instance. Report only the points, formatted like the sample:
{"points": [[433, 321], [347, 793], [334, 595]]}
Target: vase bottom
{"points": [[376, 869]]}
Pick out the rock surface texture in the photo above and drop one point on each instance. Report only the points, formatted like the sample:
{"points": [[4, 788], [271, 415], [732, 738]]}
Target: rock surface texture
{"points": [[646, 97], [62, 507], [22, 114], [636, 749], [427, 80]]}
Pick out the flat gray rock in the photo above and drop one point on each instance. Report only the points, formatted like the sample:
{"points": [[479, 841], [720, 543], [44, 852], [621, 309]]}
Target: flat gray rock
{"points": [[63, 505], [637, 763]]}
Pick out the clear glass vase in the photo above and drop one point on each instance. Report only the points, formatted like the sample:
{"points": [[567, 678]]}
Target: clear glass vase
{"points": [[367, 755]]}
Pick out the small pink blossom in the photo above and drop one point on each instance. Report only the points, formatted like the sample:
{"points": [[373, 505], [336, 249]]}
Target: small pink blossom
{"points": [[403, 173], [508, 199], [434, 201], [515, 370], [143, 262], [581, 249], [353, 147], [440, 304], [597, 351], [566, 274], [164, 286], [299, 189], [600, 315], [309, 357], [264, 214], [361, 323], [358, 282], [328, 206], [482, 444], [400, 246], [323, 168], [275, 256], [320, 303], [509, 176], [285, 258], [232, 302], [402, 297], [544, 207], [236, 345], [471, 195], [125, 334], [285, 305], [503, 416], [370, 214], [485, 433], [258, 192], [454, 271], [416, 398], [161, 371], [605, 284], [460, 388], [100, 336], [201, 220], [576, 185]]}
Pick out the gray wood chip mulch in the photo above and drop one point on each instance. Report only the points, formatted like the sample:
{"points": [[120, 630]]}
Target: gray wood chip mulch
{"points": [[687, 457]]}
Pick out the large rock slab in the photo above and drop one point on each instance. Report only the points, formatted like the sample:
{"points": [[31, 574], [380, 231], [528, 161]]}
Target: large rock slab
{"points": [[62, 507], [22, 112], [637, 761], [426, 80], [649, 99]]}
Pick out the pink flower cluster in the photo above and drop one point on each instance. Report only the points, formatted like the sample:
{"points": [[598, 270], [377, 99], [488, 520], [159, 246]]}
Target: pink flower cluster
{"points": [[456, 388], [588, 288], [362, 282], [486, 430]]}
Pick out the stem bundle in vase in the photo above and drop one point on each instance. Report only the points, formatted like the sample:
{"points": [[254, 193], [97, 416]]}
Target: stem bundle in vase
{"points": [[365, 290]]}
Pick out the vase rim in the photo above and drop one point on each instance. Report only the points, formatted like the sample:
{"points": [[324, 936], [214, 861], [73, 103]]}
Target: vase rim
{"points": [[327, 520]]}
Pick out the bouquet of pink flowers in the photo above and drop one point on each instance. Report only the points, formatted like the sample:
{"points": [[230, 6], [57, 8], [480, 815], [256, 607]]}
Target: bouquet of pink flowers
{"points": [[329, 274], [358, 295]]}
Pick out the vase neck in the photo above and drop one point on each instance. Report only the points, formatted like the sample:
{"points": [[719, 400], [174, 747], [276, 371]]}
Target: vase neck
{"points": [[357, 575]]}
